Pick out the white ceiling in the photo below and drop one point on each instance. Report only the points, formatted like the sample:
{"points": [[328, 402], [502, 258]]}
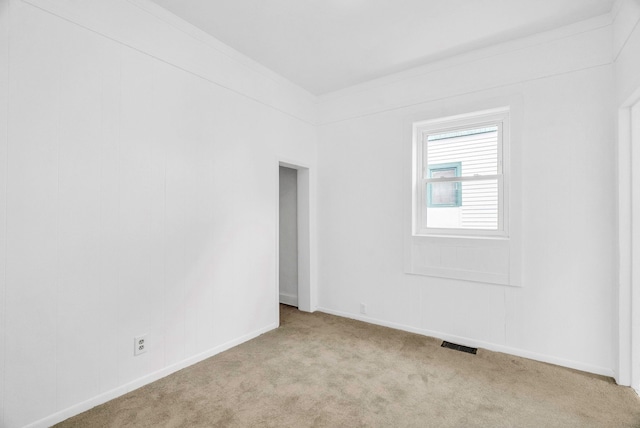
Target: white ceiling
{"points": [[326, 45]]}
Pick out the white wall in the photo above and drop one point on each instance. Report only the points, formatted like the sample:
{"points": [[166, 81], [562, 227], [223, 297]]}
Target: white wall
{"points": [[564, 311], [139, 186], [138, 194], [288, 235]]}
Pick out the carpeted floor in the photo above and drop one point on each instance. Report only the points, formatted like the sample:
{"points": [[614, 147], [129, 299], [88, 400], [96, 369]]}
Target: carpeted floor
{"points": [[318, 370]]}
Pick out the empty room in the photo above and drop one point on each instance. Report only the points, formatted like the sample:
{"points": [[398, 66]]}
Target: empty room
{"points": [[336, 213]]}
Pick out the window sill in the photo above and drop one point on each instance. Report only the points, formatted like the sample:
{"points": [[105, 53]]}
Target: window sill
{"points": [[461, 236], [484, 259]]}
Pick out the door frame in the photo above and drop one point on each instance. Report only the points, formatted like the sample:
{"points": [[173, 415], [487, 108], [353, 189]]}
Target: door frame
{"points": [[307, 300], [628, 304]]}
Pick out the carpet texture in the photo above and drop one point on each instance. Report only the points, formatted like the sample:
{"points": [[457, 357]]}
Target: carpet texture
{"points": [[319, 370]]}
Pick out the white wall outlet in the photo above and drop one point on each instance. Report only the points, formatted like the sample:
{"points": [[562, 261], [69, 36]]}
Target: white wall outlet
{"points": [[363, 308], [140, 344]]}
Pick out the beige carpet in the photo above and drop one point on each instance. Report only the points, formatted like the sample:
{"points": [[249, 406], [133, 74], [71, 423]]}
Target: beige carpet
{"points": [[319, 370]]}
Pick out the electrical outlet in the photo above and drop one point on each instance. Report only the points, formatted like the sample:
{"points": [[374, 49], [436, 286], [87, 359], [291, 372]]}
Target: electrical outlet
{"points": [[140, 344], [363, 308]]}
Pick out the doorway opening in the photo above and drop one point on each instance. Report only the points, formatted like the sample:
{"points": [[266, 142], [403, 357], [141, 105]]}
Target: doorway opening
{"points": [[288, 237], [294, 237]]}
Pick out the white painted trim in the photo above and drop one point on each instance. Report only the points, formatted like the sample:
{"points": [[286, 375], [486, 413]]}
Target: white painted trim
{"points": [[4, 167], [175, 21], [452, 60], [627, 307], [276, 291], [498, 117], [304, 241], [625, 19], [577, 365], [145, 380], [615, 9], [635, 243], [513, 205], [288, 299], [307, 288], [463, 275], [401, 95], [300, 104], [623, 372]]}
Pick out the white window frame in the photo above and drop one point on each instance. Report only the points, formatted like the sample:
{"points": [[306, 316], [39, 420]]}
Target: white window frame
{"points": [[421, 130]]}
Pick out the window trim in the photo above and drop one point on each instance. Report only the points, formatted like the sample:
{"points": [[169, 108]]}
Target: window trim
{"points": [[421, 129]]}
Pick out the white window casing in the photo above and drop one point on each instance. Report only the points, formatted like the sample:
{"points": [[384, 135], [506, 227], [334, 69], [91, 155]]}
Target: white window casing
{"points": [[474, 234], [463, 152]]}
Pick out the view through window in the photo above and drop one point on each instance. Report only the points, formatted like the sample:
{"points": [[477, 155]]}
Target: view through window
{"points": [[460, 186]]}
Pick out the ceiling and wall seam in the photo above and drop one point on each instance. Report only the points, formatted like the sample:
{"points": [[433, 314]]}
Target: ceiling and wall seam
{"points": [[618, 51], [210, 41], [617, 54], [484, 89], [528, 42], [197, 34], [40, 4], [615, 9]]}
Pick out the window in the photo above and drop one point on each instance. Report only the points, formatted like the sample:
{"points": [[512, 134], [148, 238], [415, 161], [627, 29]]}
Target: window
{"points": [[460, 175]]}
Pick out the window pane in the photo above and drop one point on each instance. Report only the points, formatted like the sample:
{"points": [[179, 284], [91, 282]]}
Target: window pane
{"points": [[475, 149], [443, 172], [475, 207], [443, 194]]}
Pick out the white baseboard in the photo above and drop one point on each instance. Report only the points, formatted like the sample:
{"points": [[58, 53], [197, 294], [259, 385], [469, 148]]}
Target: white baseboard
{"points": [[128, 387], [604, 371], [288, 299], [152, 377]]}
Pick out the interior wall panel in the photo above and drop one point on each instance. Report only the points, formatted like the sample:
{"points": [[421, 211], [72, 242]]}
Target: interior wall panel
{"points": [[139, 200], [564, 134]]}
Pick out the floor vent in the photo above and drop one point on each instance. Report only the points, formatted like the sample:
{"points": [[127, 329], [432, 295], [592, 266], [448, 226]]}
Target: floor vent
{"points": [[461, 348]]}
